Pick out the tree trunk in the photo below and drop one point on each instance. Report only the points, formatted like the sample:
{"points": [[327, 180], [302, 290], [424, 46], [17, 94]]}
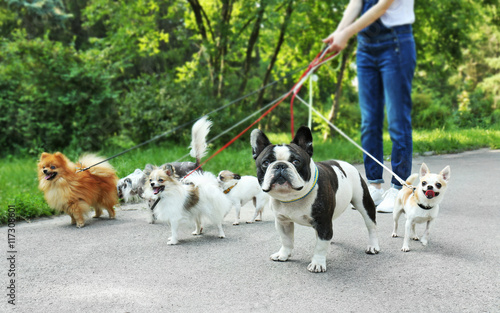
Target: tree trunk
{"points": [[227, 10], [251, 44], [281, 39]]}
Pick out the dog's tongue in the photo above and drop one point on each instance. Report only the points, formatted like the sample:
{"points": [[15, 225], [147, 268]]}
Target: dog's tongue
{"points": [[156, 190], [430, 194]]}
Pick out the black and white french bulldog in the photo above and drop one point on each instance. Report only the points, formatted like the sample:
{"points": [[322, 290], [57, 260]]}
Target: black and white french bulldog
{"points": [[309, 193]]}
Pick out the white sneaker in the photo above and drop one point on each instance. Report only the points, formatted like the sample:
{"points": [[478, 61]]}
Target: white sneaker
{"points": [[377, 194], [387, 205]]}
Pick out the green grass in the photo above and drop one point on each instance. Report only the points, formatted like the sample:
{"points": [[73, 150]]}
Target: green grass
{"points": [[18, 179]]}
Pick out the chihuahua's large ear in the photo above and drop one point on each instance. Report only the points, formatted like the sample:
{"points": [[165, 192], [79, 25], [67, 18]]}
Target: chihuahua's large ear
{"points": [[148, 169], [259, 142], [303, 138], [445, 173], [169, 169], [424, 170]]}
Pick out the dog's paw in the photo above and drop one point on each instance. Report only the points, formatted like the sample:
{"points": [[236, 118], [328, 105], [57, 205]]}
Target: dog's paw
{"points": [[372, 250], [405, 249], [415, 238], [196, 233], [80, 225], [394, 235], [278, 256], [235, 223], [424, 241], [317, 265], [172, 242], [222, 236], [314, 267]]}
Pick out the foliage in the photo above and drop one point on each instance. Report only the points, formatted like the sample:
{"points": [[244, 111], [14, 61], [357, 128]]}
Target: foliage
{"points": [[81, 74], [54, 97]]}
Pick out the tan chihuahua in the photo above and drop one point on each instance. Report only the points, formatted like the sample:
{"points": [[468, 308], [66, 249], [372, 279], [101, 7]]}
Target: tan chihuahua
{"points": [[420, 205]]}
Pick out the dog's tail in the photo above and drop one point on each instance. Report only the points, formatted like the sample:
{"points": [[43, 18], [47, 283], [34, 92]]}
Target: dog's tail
{"points": [[198, 139], [209, 189], [410, 180], [201, 179], [103, 169]]}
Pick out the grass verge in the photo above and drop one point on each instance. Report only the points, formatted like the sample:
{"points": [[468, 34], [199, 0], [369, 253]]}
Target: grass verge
{"points": [[18, 177]]}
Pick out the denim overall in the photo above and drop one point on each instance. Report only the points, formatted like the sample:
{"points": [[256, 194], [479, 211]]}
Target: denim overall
{"points": [[386, 61]]}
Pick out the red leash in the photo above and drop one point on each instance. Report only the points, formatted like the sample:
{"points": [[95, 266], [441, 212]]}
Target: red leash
{"points": [[318, 60], [314, 64]]}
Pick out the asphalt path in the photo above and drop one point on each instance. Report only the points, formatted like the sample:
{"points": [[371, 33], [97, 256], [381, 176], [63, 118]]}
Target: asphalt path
{"points": [[125, 265]]}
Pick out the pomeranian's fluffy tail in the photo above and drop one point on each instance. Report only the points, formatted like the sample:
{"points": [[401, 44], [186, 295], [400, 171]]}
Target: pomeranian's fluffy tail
{"points": [[103, 169], [198, 139]]}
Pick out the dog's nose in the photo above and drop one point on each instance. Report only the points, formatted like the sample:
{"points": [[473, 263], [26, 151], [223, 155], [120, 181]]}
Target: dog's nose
{"points": [[152, 184], [430, 187], [45, 171], [280, 166]]}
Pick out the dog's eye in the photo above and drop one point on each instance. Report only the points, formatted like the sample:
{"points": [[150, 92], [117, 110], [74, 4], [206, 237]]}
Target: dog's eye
{"points": [[296, 162], [265, 163], [424, 183], [160, 180], [438, 185], [52, 167]]}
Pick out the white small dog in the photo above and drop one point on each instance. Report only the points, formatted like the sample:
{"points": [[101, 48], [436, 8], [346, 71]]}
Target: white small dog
{"points": [[420, 205], [130, 188], [240, 190], [199, 196]]}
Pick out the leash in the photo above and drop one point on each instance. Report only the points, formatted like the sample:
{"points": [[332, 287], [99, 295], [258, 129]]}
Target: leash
{"points": [[401, 181], [241, 133], [318, 61], [192, 121], [230, 128]]}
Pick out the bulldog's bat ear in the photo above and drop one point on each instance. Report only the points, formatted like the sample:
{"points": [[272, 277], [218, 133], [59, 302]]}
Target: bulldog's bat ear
{"points": [[259, 142], [303, 138]]}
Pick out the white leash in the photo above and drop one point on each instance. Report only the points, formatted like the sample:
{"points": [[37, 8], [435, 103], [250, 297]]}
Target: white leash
{"points": [[401, 181]]}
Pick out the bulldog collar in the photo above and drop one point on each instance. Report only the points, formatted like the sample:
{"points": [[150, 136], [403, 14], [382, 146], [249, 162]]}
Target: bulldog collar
{"points": [[314, 185], [229, 189]]}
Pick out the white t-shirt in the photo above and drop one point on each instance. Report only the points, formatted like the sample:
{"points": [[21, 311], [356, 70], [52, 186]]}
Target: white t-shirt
{"points": [[399, 13]]}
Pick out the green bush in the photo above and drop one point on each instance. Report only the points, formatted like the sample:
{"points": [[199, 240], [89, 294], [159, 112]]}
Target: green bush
{"points": [[476, 110], [53, 97], [428, 112]]}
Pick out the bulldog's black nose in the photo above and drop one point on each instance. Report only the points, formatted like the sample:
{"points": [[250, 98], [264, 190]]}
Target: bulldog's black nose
{"points": [[280, 166]]}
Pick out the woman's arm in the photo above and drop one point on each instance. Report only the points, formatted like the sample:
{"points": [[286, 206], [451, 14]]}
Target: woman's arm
{"points": [[349, 26]]}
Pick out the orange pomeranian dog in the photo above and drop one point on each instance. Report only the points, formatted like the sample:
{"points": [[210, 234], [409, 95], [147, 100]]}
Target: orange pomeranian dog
{"points": [[75, 193]]}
